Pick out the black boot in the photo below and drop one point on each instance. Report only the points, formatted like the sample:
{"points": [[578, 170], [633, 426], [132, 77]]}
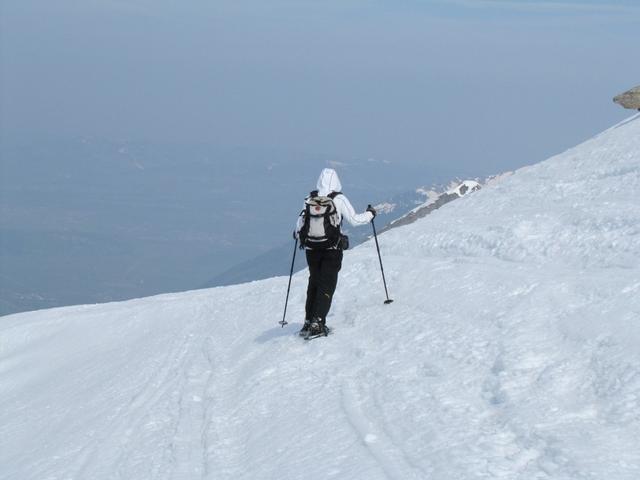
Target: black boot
{"points": [[317, 326], [305, 328]]}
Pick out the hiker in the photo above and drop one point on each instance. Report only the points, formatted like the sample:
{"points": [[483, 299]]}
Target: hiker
{"points": [[318, 229]]}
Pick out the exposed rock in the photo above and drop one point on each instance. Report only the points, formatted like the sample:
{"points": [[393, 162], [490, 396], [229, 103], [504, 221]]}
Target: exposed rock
{"points": [[435, 201], [629, 99]]}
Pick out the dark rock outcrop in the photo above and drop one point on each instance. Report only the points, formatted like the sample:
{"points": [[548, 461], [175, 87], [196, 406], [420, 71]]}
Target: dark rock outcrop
{"points": [[629, 99], [461, 190]]}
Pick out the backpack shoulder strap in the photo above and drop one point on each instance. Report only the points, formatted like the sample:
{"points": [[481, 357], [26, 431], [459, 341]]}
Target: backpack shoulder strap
{"points": [[333, 195]]}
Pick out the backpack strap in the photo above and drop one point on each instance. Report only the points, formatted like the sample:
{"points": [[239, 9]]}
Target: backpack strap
{"points": [[332, 196]]}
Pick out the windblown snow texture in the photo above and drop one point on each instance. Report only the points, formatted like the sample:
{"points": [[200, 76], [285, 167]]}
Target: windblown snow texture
{"points": [[512, 351]]}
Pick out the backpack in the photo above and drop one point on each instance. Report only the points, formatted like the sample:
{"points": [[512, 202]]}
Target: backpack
{"points": [[321, 227]]}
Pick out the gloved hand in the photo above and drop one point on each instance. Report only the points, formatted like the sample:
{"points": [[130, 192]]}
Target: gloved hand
{"points": [[372, 210], [295, 235]]}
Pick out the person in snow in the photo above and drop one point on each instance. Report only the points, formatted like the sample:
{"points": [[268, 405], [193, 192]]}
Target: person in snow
{"points": [[318, 229]]}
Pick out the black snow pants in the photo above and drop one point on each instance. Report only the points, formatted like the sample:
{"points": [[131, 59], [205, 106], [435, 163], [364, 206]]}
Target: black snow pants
{"points": [[324, 266]]}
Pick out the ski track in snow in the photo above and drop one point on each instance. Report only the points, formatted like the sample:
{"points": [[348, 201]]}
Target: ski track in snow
{"points": [[512, 351], [367, 422]]}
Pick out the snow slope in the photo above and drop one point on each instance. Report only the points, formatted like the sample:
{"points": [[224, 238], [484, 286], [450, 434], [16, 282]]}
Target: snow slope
{"points": [[512, 351]]}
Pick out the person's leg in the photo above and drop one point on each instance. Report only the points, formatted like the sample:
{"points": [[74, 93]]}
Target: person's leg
{"points": [[327, 282], [314, 260]]}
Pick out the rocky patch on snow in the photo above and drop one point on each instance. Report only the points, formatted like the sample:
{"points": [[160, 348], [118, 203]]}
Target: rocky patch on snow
{"points": [[436, 200], [629, 99]]}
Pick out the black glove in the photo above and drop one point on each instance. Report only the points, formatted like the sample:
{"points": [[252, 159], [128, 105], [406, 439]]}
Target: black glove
{"points": [[372, 210]]}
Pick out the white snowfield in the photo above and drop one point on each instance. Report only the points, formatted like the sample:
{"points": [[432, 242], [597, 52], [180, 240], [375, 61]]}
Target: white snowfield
{"points": [[512, 351]]}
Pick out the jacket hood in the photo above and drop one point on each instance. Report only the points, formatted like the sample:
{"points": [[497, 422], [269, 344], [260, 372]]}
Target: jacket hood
{"points": [[328, 182]]}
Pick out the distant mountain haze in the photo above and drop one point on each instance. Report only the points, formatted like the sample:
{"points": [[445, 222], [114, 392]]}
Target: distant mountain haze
{"points": [[88, 220], [150, 146]]}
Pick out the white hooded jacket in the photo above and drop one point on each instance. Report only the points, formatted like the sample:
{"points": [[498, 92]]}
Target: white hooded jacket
{"points": [[330, 182]]}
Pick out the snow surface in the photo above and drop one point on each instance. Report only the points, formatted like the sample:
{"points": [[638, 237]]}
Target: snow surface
{"points": [[512, 351]]}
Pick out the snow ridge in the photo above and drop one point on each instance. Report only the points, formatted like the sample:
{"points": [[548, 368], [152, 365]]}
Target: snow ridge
{"points": [[511, 351]]}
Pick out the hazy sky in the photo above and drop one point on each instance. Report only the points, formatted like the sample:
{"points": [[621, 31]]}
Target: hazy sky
{"points": [[480, 86]]}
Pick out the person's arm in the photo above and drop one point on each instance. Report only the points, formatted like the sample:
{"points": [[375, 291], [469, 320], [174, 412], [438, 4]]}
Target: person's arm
{"points": [[343, 205]]}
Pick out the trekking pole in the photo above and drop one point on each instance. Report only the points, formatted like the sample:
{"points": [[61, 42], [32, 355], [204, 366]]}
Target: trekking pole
{"points": [[375, 236], [283, 322]]}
